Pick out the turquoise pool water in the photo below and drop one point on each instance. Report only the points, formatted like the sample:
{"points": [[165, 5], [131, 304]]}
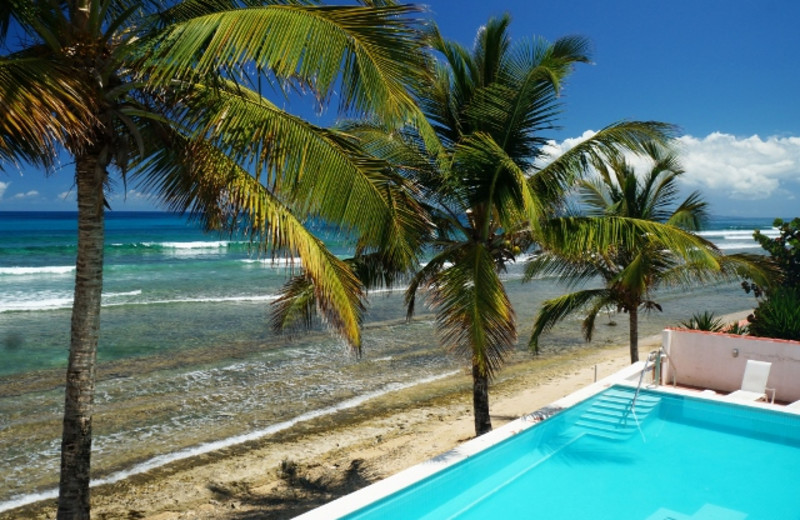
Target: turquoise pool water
{"points": [[686, 459]]}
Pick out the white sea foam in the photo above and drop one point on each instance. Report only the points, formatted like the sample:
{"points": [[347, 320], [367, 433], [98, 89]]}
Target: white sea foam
{"points": [[137, 292], [195, 245], [389, 290], [28, 499], [273, 262], [167, 458], [39, 303], [50, 270], [219, 299], [738, 245], [735, 234]]}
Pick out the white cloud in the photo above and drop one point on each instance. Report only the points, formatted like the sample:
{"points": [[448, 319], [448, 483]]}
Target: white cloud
{"points": [[553, 149], [3, 187], [26, 195], [741, 167]]}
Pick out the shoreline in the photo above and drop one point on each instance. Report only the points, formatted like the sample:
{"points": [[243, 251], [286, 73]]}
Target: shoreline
{"points": [[314, 460]]}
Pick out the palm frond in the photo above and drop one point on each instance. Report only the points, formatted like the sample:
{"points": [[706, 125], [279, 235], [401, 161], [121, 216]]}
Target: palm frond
{"points": [[594, 197], [573, 236], [492, 177], [570, 271], [491, 46], [296, 306], [598, 305], [605, 145], [736, 267], [426, 275], [692, 214], [634, 277], [44, 109], [455, 80], [165, 16], [196, 177], [556, 309], [522, 101], [319, 172], [363, 50], [473, 313]]}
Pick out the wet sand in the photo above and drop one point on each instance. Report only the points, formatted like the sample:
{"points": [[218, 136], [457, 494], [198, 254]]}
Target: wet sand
{"points": [[290, 472]]}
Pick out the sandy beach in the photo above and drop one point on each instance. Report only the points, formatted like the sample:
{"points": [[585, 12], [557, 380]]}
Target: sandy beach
{"points": [[288, 473]]}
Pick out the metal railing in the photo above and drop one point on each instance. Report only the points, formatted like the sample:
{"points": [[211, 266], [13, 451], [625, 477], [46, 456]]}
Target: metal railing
{"points": [[653, 358], [674, 370]]}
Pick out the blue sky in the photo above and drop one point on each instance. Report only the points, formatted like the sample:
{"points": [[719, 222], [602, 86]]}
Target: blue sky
{"points": [[726, 72]]}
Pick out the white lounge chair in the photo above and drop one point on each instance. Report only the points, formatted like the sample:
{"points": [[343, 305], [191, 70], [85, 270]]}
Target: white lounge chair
{"points": [[754, 382]]}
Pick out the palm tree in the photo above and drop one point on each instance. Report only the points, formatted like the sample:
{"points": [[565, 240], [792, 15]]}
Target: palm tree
{"points": [[169, 95], [484, 197], [632, 270]]}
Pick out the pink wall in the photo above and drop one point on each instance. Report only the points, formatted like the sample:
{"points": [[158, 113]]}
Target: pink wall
{"points": [[706, 360]]}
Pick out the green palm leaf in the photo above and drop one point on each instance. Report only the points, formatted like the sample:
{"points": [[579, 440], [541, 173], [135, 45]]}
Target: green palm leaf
{"points": [[571, 271], [321, 171], [522, 104], [556, 177], [318, 172], [573, 237], [197, 177], [556, 309], [363, 50], [474, 314], [44, 108], [505, 188], [427, 274]]}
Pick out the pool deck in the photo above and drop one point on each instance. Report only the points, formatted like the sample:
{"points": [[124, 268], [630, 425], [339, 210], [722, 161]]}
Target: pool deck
{"points": [[629, 376]]}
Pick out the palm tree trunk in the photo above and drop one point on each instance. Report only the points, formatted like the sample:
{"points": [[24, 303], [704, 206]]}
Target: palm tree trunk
{"points": [[480, 400], [633, 325], [76, 444]]}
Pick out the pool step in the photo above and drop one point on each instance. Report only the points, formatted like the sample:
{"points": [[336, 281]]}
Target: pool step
{"points": [[610, 416], [667, 514], [707, 512]]}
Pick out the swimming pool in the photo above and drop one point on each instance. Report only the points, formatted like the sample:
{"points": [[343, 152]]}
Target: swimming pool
{"points": [[674, 458]]}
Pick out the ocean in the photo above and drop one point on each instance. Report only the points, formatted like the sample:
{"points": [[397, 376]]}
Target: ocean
{"points": [[187, 360]]}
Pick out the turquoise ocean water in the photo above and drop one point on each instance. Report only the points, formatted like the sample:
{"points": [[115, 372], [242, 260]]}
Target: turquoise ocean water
{"points": [[186, 355]]}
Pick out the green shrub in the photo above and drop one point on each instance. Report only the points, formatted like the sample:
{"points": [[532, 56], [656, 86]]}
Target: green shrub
{"points": [[778, 315], [784, 249], [705, 321], [737, 328]]}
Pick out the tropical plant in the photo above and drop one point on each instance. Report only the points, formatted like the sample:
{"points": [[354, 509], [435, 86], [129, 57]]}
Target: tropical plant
{"points": [[784, 250], [485, 195], [706, 321], [737, 328], [633, 269], [776, 314], [168, 95]]}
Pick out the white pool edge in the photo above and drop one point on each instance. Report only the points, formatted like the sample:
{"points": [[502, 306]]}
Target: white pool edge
{"points": [[363, 497]]}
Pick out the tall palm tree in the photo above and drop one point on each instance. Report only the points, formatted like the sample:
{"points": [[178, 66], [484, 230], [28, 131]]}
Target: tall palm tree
{"points": [[485, 198], [168, 94], [632, 270]]}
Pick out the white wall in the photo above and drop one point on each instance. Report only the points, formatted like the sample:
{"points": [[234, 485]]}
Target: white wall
{"points": [[706, 360]]}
